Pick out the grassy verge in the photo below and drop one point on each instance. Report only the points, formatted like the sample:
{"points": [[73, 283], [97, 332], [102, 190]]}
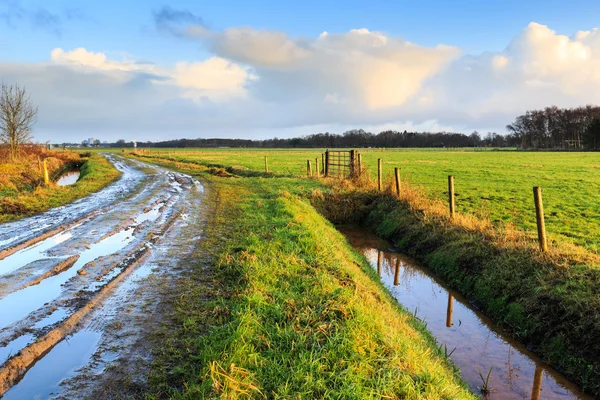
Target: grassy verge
{"points": [[549, 301], [24, 195], [280, 306]]}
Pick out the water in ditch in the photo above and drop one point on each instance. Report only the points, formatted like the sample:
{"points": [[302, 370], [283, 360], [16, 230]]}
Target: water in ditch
{"points": [[68, 178], [477, 345]]}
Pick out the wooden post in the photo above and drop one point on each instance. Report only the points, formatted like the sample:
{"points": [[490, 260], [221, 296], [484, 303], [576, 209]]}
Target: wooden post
{"points": [[379, 182], [397, 272], [266, 165], [308, 168], [397, 174], [317, 172], [451, 203], [539, 215], [46, 177], [537, 383], [323, 162], [449, 310], [327, 163], [353, 164], [379, 255], [359, 164]]}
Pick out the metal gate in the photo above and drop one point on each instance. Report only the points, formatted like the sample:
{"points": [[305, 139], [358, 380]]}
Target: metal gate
{"points": [[340, 164]]}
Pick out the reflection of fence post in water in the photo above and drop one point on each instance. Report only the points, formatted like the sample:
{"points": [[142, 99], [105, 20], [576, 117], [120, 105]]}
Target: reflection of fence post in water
{"points": [[397, 272], [537, 383], [379, 256], [449, 311]]}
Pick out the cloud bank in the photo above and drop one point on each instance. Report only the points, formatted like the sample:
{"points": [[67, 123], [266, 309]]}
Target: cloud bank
{"points": [[259, 83]]}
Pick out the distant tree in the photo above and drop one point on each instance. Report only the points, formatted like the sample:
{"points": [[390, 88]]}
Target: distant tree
{"points": [[591, 137], [84, 143], [96, 143], [475, 138], [17, 117]]}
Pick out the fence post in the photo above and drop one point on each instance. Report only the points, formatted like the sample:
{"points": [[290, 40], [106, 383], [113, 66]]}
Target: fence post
{"points": [[379, 184], [323, 162], [46, 177], [359, 164], [317, 172], [379, 254], [451, 202], [327, 163], [539, 215], [449, 311], [397, 174], [266, 165], [397, 272], [308, 168]]}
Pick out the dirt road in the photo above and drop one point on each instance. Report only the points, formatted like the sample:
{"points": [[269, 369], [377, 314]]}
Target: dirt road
{"points": [[79, 284]]}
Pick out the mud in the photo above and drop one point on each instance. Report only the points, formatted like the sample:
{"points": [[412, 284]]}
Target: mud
{"points": [[62, 281]]}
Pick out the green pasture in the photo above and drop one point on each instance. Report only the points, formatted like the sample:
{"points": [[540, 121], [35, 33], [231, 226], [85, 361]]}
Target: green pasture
{"points": [[491, 184]]}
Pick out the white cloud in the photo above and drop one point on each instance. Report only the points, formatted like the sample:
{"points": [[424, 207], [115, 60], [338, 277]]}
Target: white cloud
{"points": [[264, 81], [215, 79]]}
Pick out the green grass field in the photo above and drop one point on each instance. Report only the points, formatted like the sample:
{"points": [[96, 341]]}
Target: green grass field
{"points": [[491, 184]]}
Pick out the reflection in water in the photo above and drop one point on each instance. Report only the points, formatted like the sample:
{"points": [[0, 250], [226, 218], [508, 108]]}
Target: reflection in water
{"points": [[68, 178], [478, 344], [449, 311], [537, 383]]}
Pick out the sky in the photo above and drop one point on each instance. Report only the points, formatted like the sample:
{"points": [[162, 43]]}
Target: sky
{"points": [[156, 70]]}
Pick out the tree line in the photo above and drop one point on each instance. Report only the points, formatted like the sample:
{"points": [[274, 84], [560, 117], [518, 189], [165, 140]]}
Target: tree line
{"points": [[554, 127], [357, 138]]}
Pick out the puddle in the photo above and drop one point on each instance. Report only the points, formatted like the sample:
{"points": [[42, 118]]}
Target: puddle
{"points": [[18, 304], [60, 363], [56, 316], [13, 347], [479, 344], [30, 254], [68, 178]]}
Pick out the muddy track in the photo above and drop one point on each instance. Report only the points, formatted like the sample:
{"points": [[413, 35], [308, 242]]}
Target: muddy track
{"points": [[54, 281]]}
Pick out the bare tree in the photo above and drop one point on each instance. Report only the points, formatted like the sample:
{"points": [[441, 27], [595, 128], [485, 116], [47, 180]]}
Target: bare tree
{"points": [[17, 117]]}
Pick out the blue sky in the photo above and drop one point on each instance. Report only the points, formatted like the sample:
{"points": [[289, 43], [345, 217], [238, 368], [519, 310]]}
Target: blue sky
{"points": [[256, 92]]}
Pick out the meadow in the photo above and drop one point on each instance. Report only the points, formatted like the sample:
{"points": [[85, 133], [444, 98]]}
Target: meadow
{"points": [[494, 185]]}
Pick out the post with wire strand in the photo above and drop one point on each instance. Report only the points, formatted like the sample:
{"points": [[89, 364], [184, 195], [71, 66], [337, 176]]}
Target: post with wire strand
{"points": [[539, 215], [317, 171], [46, 177], [451, 202], [379, 177], [308, 169], [326, 163], [397, 175]]}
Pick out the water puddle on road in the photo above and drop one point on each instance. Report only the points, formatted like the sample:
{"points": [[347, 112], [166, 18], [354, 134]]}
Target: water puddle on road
{"points": [[53, 318], [68, 178], [36, 252], [477, 344], [14, 347], [18, 304], [60, 363]]}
